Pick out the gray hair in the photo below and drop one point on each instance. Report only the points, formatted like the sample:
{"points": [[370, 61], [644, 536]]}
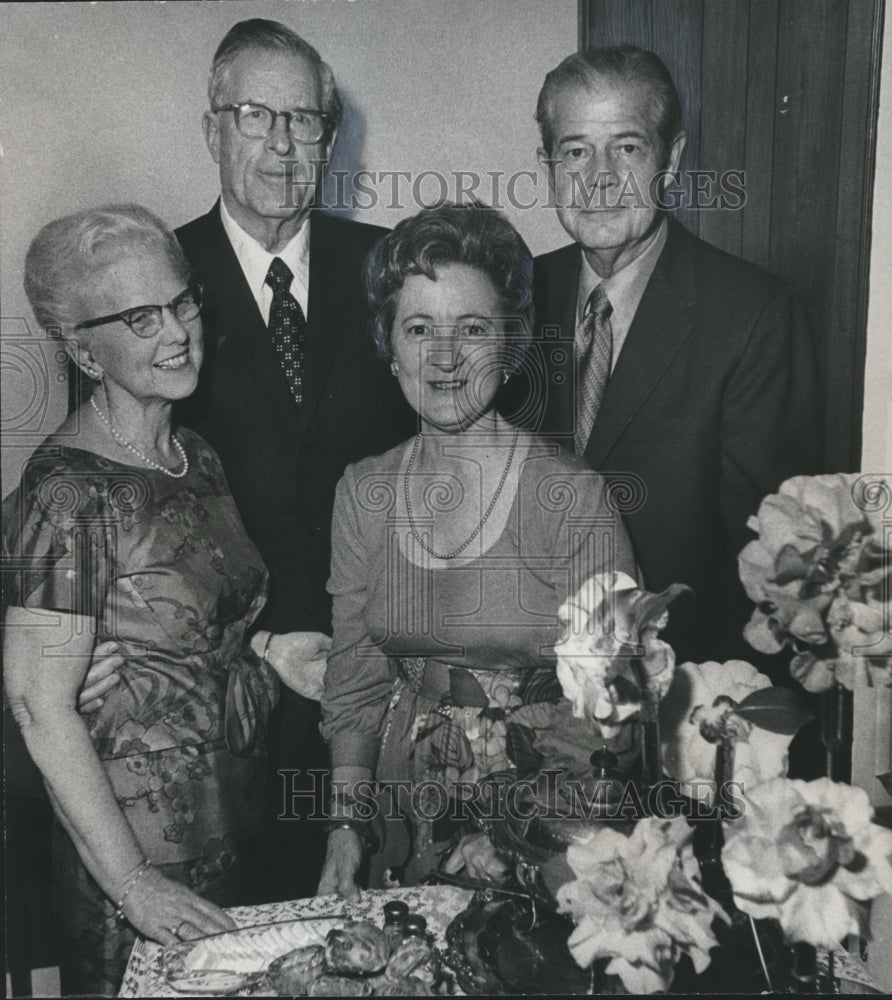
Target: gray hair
{"points": [[66, 254], [622, 66], [473, 235], [260, 35]]}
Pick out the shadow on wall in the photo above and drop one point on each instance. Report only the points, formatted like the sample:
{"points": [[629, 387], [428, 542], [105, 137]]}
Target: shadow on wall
{"points": [[339, 191]]}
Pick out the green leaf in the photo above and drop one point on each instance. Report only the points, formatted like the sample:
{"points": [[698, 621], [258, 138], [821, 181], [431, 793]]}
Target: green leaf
{"points": [[776, 709], [522, 751], [540, 685]]}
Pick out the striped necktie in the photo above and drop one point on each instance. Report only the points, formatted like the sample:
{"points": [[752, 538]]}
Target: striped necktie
{"points": [[594, 353], [287, 326]]}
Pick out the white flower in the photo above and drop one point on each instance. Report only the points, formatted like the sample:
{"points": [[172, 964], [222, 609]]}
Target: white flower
{"points": [[819, 575], [637, 900], [611, 658], [698, 709], [808, 855]]}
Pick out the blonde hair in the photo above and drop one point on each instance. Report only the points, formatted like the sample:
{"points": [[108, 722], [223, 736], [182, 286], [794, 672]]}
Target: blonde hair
{"points": [[67, 252]]}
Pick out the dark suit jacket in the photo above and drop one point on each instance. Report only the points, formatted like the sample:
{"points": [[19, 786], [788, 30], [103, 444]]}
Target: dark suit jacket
{"points": [[712, 404], [283, 463]]}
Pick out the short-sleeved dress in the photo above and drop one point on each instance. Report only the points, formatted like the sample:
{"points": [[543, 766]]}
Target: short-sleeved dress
{"points": [[164, 567], [428, 661]]}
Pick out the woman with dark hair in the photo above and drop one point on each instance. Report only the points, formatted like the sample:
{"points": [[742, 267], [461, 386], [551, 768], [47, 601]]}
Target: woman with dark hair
{"points": [[451, 555], [123, 530]]}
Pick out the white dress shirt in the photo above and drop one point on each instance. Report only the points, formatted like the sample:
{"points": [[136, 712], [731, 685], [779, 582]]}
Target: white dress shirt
{"points": [[624, 288], [255, 262]]}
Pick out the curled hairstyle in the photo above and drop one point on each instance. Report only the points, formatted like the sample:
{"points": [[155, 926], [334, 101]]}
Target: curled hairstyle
{"points": [[66, 254], [624, 66], [260, 35], [473, 235]]}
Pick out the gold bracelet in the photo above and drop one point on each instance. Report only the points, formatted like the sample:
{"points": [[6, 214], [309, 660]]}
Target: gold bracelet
{"points": [[131, 885]]}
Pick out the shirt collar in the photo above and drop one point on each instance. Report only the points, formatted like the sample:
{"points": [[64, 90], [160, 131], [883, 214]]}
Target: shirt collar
{"points": [[255, 260], [624, 287]]}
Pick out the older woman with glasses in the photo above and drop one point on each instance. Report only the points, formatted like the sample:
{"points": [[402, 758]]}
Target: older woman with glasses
{"points": [[123, 528]]}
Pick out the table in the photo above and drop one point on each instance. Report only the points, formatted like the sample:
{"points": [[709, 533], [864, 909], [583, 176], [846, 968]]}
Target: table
{"points": [[439, 904]]}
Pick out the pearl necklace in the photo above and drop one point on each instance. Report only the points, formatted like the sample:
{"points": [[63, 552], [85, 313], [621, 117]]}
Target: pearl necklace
{"points": [[483, 520], [126, 444]]}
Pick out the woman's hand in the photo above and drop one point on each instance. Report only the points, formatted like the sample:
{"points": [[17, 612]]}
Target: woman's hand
{"points": [[476, 854], [166, 911], [298, 658], [343, 856], [102, 676]]}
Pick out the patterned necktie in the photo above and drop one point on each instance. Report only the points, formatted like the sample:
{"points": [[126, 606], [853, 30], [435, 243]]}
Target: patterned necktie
{"points": [[287, 326], [594, 351]]}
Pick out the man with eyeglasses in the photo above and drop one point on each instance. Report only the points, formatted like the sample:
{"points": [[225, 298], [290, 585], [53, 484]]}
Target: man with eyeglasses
{"points": [[290, 392]]}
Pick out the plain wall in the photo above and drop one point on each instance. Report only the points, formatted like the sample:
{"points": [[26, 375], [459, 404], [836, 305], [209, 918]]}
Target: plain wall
{"points": [[103, 102]]}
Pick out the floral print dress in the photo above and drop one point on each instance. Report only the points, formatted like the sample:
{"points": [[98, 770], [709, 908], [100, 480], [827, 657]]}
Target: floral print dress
{"points": [[164, 568]]}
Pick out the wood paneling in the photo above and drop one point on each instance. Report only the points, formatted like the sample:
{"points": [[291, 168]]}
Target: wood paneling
{"points": [[724, 96], [787, 91], [760, 82]]}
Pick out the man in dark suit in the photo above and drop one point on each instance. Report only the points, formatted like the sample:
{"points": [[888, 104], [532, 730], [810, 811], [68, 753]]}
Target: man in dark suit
{"points": [[290, 392], [684, 373]]}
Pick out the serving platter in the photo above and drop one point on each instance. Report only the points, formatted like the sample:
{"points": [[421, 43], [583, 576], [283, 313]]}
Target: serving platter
{"points": [[146, 973], [236, 961]]}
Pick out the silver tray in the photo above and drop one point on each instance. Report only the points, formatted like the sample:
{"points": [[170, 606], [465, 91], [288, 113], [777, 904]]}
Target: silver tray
{"points": [[235, 961]]}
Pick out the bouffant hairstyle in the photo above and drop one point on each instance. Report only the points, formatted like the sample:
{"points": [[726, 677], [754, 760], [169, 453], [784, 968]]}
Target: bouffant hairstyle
{"points": [[473, 235], [65, 255]]}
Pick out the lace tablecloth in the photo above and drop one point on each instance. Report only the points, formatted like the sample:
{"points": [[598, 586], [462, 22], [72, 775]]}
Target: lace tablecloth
{"points": [[439, 904]]}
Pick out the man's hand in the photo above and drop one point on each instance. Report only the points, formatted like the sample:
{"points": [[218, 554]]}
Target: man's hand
{"points": [[298, 658], [101, 677]]}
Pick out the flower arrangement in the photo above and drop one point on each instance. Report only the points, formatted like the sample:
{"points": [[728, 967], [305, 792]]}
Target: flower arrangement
{"points": [[637, 900], [809, 855], [819, 574]]}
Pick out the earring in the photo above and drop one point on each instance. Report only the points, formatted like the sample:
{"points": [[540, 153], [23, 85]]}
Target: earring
{"points": [[394, 369], [505, 376]]}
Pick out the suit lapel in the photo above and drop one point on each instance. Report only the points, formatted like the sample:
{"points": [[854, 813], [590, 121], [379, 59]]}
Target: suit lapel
{"points": [[557, 289], [661, 325], [327, 281], [246, 340]]}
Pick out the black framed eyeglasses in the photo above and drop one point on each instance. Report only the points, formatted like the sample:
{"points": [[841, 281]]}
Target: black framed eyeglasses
{"points": [[256, 121], [146, 321]]}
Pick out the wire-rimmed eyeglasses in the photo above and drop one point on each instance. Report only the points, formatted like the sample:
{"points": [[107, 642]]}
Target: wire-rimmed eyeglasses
{"points": [[256, 121], [146, 321]]}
